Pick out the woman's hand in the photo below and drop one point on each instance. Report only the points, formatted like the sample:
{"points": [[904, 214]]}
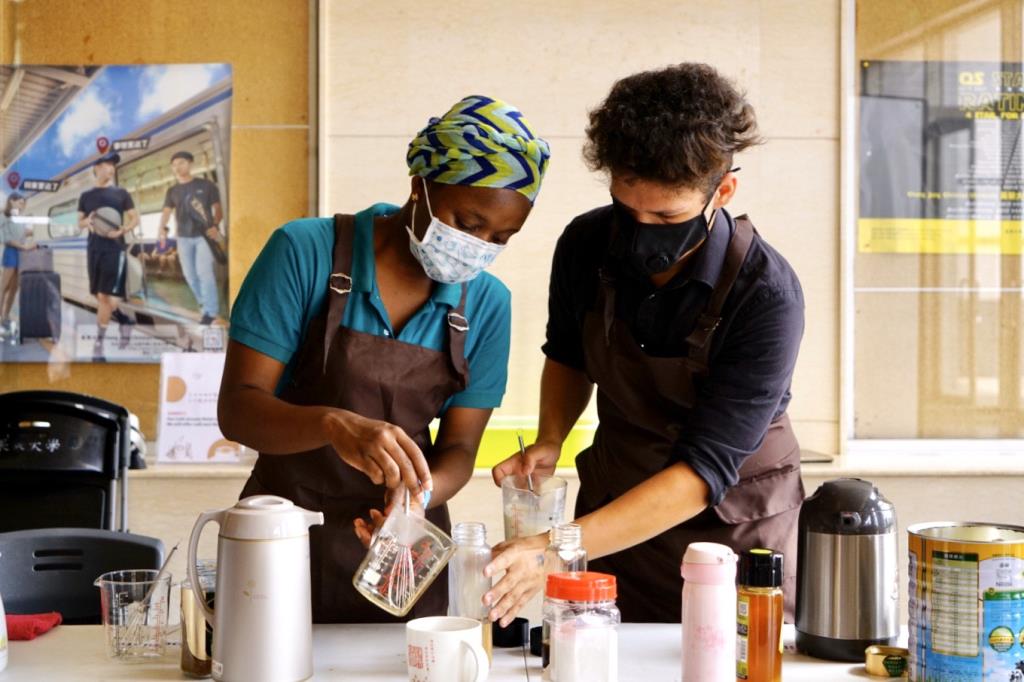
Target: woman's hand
{"points": [[540, 458], [382, 451], [365, 530], [522, 560]]}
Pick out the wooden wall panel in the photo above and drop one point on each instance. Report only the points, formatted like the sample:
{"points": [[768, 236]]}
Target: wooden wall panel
{"points": [[268, 44]]}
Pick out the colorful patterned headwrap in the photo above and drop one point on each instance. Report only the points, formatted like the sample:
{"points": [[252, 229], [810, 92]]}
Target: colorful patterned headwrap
{"points": [[481, 142]]}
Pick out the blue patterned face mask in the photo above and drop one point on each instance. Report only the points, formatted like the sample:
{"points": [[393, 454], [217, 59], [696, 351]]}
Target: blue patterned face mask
{"points": [[448, 254]]}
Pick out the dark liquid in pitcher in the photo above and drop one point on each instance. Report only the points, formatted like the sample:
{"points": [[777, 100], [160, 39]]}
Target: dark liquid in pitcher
{"points": [[190, 664]]}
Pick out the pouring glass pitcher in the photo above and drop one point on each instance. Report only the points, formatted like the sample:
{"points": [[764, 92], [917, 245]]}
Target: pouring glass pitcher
{"points": [[263, 621]]}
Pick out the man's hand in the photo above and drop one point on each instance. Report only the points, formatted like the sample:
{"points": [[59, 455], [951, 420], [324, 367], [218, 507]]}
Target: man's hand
{"points": [[213, 233], [522, 560], [540, 458]]}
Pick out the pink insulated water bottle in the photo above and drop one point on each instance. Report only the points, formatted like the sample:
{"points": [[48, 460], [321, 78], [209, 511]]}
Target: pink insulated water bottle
{"points": [[709, 613]]}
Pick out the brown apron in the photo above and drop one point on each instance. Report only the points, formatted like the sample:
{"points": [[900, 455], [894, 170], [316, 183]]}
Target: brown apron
{"points": [[639, 401], [379, 378]]}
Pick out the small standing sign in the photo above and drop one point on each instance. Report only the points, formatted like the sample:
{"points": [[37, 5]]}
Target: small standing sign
{"points": [[188, 430]]}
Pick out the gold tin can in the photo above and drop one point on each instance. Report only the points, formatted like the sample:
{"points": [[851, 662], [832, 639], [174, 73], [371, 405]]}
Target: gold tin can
{"points": [[886, 661]]}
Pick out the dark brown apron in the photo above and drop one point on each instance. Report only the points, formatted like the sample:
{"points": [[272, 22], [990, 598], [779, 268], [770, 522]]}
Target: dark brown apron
{"points": [[379, 378], [639, 401]]}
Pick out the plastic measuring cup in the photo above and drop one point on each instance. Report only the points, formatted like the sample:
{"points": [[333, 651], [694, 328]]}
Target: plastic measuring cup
{"points": [[406, 555], [529, 513], [134, 607]]}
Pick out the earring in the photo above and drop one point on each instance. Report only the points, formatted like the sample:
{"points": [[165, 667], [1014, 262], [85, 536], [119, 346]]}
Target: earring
{"points": [[415, 197]]}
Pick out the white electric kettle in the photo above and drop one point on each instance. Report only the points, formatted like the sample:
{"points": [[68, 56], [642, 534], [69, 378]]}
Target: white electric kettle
{"points": [[262, 620]]}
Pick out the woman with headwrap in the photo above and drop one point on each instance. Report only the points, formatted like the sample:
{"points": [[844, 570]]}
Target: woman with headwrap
{"points": [[351, 334]]}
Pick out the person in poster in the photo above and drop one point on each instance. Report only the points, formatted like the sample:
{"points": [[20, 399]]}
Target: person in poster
{"points": [[106, 257], [14, 238], [197, 214], [163, 252]]}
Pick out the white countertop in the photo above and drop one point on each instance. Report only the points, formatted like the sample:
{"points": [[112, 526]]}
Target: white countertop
{"points": [[647, 653]]}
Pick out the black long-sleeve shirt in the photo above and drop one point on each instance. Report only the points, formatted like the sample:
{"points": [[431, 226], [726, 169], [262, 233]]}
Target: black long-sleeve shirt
{"points": [[752, 353]]}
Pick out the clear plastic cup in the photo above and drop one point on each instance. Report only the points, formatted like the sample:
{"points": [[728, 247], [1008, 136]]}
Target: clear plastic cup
{"points": [[134, 608], [530, 513], [406, 555]]}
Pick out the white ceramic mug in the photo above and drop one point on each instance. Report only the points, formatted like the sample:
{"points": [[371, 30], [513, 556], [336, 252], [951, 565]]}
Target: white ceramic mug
{"points": [[445, 649]]}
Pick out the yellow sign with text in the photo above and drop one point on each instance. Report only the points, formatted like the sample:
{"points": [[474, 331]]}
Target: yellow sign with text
{"points": [[940, 235]]}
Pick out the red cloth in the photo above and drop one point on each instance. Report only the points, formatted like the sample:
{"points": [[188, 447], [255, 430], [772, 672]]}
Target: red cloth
{"points": [[20, 628]]}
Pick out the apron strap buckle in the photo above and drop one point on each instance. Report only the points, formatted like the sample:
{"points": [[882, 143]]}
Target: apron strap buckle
{"points": [[458, 322], [346, 283]]}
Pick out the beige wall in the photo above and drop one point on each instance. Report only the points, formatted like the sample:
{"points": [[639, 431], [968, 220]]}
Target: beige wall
{"points": [[387, 67]]}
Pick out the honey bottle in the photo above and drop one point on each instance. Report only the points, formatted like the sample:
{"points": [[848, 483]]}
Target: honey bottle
{"points": [[759, 616]]}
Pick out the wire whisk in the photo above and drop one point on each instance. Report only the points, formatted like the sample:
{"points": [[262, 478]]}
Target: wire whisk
{"points": [[402, 579], [138, 611]]}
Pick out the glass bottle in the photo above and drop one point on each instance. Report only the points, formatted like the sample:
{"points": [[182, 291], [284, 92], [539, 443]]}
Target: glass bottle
{"points": [[759, 616], [565, 554], [466, 580]]}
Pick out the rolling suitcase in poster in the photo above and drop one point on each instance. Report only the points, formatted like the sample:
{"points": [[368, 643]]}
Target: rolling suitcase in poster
{"points": [[36, 260], [39, 305]]}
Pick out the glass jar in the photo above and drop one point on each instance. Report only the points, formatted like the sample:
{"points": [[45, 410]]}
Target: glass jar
{"points": [[467, 583], [580, 612]]}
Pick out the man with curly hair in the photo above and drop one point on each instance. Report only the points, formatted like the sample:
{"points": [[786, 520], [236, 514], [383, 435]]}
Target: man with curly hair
{"points": [[689, 324]]}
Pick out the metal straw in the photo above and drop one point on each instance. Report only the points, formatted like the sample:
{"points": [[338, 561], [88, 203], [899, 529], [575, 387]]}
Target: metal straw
{"points": [[522, 453]]}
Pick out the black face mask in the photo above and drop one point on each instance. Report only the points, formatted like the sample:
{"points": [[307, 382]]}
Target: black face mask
{"points": [[648, 249]]}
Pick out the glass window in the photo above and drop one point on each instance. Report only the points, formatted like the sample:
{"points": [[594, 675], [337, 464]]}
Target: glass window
{"points": [[64, 220], [935, 323]]}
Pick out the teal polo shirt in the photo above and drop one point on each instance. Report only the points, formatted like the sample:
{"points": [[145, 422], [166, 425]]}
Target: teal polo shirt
{"points": [[285, 289]]}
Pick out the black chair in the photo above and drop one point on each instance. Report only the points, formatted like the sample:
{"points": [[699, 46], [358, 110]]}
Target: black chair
{"points": [[63, 461], [53, 569]]}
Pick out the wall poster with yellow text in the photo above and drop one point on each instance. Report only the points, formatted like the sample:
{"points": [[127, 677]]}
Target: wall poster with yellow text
{"points": [[940, 158]]}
